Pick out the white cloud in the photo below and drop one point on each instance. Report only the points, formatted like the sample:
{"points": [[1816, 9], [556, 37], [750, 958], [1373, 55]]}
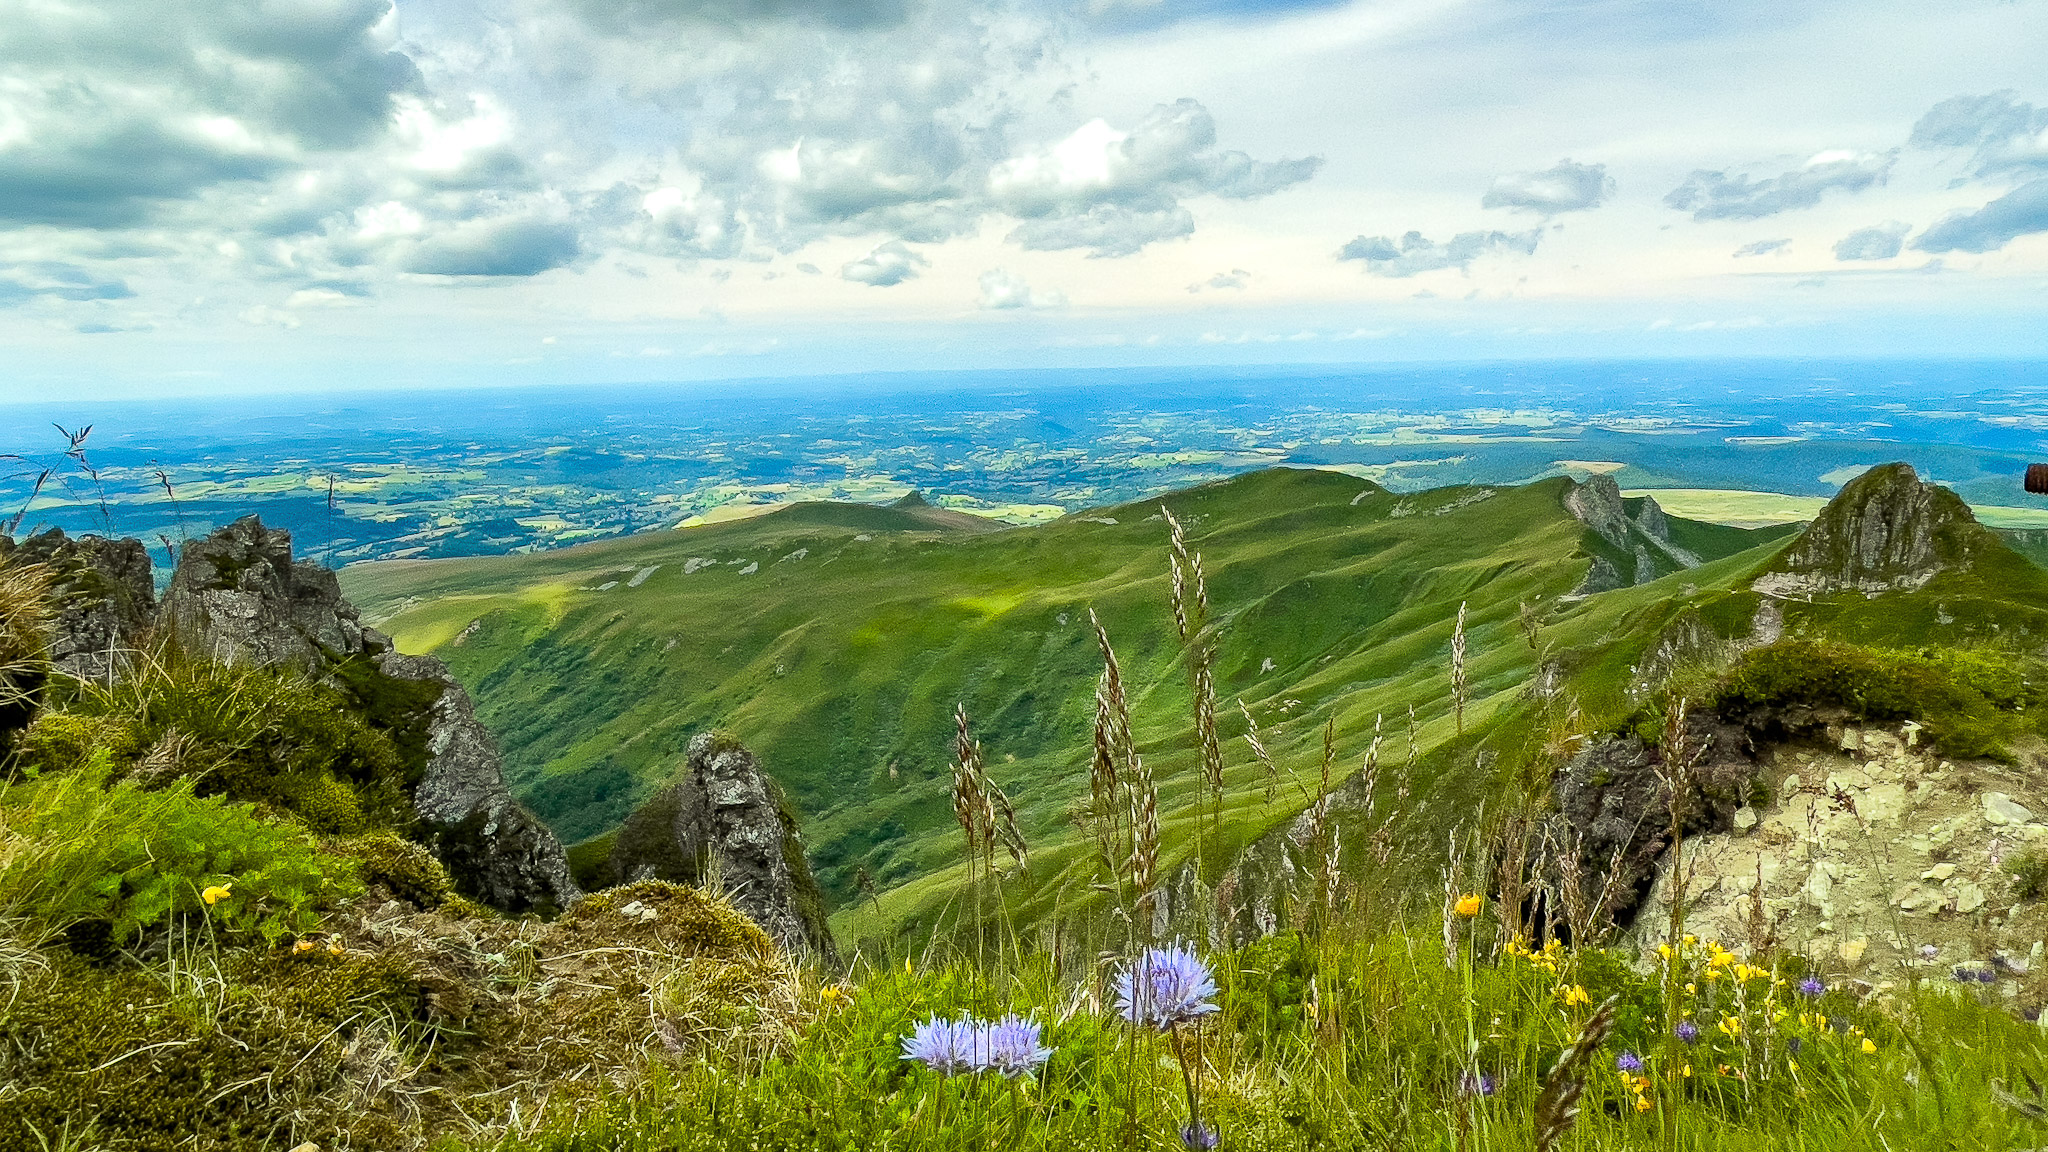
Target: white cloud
{"points": [[1002, 289], [1715, 195], [1879, 242], [888, 265], [1413, 255], [1563, 187]]}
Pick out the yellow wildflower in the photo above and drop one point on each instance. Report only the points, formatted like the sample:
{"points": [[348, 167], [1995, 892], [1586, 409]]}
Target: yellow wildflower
{"points": [[217, 893], [1643, 1104], [1869, 1046], [1575, 994], [302, 947], [1731, 1025], [1469, 906]]}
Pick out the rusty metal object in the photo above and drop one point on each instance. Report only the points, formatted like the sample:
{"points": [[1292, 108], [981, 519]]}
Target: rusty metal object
{"points": [[2037, 478]]}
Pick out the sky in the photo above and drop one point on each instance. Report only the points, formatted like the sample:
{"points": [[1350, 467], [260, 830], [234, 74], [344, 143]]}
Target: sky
{"points": [[220, 196]]}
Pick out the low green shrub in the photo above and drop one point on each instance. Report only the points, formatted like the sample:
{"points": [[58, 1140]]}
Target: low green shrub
{"points": [[269, 736], [90, 850], [400, 867], [2029, 874], [1973, 703]]}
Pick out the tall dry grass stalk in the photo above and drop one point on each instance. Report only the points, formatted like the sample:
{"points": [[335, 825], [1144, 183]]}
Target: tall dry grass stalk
{"points": [[1191, 619], [1557, 1106], [1458, 685], [26, 615], [981, 806], [1132, 777], [1674, 770], [1268, 769]]}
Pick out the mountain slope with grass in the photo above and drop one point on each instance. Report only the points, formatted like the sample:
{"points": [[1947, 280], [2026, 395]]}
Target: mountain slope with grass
{"points": [[836, 640]]}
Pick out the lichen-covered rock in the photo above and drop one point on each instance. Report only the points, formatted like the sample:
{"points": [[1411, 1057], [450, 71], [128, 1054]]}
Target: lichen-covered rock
{"points": [[102, 595], [1884, 531], [496, 851], [723, 817], [237, 596]]}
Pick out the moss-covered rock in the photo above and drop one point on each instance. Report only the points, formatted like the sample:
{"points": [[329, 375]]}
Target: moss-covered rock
{"points": [[404, 869]]}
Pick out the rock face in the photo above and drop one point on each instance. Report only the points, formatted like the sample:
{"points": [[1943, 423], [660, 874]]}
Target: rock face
{"points": [[1614, 806], [1885, 531], [1631, 547], [721, 819], [1880, 859], [104, 595], [494, 849], [238, 597]]}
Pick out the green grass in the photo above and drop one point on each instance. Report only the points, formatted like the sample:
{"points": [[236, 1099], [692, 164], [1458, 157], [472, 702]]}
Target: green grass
{"points": [[1356, 1042], [1332, 598]]}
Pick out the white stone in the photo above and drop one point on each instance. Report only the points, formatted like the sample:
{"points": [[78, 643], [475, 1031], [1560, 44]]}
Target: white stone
{"points": [[1917, 898], [1884, 802], [1745, 818], [1939, 872], [1790, 788], [2001, 809], [1846, 778], [1969, 897], [1851, 951]]}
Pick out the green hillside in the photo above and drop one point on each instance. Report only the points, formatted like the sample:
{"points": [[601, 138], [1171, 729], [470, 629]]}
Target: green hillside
{"points": [[836, 640]]}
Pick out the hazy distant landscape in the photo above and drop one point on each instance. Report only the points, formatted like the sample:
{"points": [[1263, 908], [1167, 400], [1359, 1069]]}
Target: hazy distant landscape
{"points": [[372, 476]]}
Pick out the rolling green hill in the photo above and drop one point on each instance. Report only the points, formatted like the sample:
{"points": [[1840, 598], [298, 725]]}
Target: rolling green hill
{"points": [[836, 640]]}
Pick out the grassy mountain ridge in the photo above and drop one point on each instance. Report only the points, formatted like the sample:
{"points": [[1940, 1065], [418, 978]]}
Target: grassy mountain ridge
{"points": [[839, 658]]}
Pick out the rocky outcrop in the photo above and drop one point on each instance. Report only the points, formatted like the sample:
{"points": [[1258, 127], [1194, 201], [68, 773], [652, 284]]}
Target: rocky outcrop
{"points": [[1885, 531], [1614, 805], [495, 850], [1629, 547], [1596, 503], [103, 595], [238, 597], [722, 821], [1881, 860]]}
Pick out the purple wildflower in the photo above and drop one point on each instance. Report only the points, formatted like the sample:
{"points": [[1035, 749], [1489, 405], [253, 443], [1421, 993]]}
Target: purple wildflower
{"points": [[1165, 987], [946, 1046], [1198, 1137], [1811, 986], [1629, 1062], [1012, 1047], [1687, 1031], [1482, 1084]]}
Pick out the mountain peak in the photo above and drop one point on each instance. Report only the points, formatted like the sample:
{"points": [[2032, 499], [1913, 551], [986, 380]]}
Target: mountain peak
{"points": [[1887, 530], [911, 499]]}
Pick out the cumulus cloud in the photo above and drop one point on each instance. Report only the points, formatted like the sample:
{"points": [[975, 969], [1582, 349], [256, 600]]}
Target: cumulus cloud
{"points": [[1763, 247], [1563, 187], [2022, 211], [1108, 229], [1002, 289], [1115, 191], [57, 280], [888, 265], [117, 111], [2007, 135], [1715, 195], [497, 248], [1880, 242], [1413, 255]]}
